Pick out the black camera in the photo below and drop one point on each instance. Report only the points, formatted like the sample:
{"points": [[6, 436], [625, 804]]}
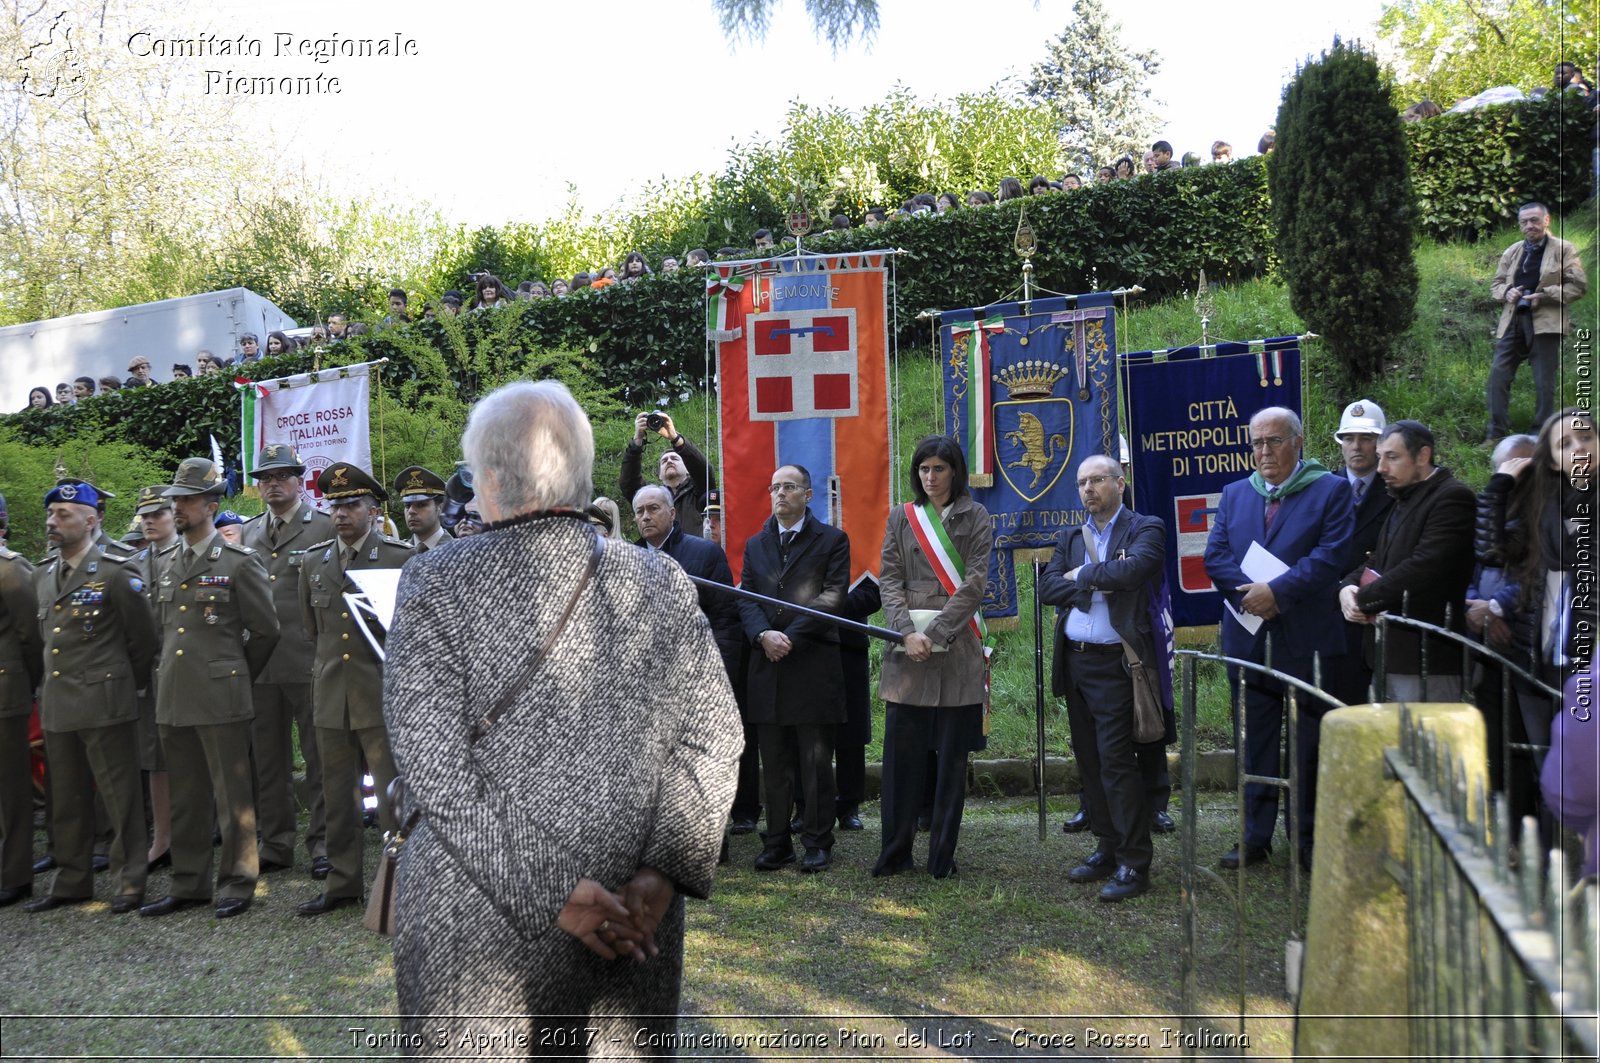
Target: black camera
{"points": [[654, 422]]}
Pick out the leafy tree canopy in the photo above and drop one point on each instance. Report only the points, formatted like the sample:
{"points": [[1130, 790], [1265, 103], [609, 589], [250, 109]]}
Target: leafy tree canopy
{"points": [[1445, 50]]}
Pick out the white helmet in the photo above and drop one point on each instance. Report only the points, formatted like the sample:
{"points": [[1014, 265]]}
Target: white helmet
{"points": [[1361, 417]]}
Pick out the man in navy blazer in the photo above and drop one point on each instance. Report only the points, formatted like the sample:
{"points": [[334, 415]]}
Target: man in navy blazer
{"points": [[796, 685], [1299, 513], [1102, 603]]}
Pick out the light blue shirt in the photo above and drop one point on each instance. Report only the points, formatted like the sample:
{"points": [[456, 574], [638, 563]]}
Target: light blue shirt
{"points": [[1095, 625]]}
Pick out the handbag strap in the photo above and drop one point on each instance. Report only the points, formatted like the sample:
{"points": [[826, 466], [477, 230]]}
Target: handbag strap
{"points": [[536, 659], [1094, 557], [492, 717]]}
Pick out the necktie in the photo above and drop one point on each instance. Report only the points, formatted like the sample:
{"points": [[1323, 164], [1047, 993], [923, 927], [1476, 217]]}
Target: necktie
{"points": [[786, 540], [1361, 489], [346, 555], [63, 574], [1273, 502], [276, 531]]}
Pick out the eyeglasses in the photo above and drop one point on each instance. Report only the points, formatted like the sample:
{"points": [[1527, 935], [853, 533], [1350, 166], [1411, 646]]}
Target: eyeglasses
{"points": [[275, 477], [1269, 443], [784, 489], [1093, 480]]}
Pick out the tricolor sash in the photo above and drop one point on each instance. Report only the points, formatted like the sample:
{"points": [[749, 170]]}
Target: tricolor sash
{"points": [[950, 568]]}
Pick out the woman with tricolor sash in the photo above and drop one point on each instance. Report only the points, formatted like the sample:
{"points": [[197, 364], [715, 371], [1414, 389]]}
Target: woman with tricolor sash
{"points": [[935, 566]]}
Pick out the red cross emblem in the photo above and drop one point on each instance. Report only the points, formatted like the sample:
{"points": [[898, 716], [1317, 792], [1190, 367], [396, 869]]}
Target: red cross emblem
{"points": [[802, 364]]}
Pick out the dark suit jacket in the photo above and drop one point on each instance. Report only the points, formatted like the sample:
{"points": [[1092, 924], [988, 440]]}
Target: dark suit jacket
{"points": [[704, 558], [1311, 535], [1370, 516], [807, 685], [1135, 559], [1424, 550]]}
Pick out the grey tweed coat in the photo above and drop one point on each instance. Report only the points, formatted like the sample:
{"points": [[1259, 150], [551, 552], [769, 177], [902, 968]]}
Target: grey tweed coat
{"points": [[623, 751]]}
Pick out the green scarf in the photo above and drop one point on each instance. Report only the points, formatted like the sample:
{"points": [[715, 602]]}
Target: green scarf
{"points": [[1308, 471]]}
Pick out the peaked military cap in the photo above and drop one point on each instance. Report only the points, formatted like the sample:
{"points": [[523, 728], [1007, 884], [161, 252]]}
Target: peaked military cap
{"points": [[197, 476], [416, 484], [342, 480], [152, 499], [275, 456]]}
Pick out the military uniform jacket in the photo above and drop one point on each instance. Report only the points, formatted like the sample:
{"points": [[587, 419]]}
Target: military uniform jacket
{"points": [[99, 639], [206, 610], [347, 677], [306, 526], [19, 635]]}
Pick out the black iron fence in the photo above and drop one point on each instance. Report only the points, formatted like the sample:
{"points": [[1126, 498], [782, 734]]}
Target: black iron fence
{"points": [[1503, 959]]}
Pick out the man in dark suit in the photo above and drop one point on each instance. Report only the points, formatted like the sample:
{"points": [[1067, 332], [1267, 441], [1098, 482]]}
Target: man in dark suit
{"points": [[1422, 563], [796, 688], [1294, 510], [1349, 678], [1103, 603]]}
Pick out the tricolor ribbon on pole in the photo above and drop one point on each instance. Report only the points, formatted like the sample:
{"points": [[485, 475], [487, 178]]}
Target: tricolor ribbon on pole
{"points": [[1271, 358], [951, 569], [975, 337], [723, 317]]}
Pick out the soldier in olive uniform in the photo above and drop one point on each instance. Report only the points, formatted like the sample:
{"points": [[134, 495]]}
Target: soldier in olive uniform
{"points": [[99, 641], [19, 673], [422, 493], [114, 547], [282, 694], [154, 512], [348, 676], [218, 629]]}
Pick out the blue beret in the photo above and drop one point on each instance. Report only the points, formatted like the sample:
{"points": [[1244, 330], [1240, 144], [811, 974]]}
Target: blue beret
{"points": [[80, 493], [227, 517]]}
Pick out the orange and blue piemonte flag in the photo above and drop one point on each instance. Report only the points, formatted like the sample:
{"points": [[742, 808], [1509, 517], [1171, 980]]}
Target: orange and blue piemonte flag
{"points": [[803, 379]]}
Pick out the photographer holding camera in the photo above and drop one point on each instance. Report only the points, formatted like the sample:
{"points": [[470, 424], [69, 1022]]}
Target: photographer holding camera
{"points": [[682, 469]]}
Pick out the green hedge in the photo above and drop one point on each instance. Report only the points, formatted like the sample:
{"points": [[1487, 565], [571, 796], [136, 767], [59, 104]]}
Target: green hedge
{"points": [[1470, 172]]}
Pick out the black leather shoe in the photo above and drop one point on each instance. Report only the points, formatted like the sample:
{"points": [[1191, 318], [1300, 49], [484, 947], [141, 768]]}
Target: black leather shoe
{"points": [[168, 905], [851, 820], [164, 860], [816, 860], [321, 867], [269, 867], [883, 870], [123, 903], [15, 894], [48, 903], [772, 859], [1125, 884], [1078, 823], [1253, 854], [947, 872], [744, 825], [1161, 823], [1096, 866], [797, 824], [325, 904], [100, 863], [229, 907], [47, 862]]}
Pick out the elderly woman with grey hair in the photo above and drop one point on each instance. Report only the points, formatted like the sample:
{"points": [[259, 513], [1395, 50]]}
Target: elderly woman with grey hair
{"points": [[571, 767]]}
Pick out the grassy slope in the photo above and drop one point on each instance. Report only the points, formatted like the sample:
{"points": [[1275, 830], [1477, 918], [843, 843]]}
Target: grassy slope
{"points": [[1438, 377]]}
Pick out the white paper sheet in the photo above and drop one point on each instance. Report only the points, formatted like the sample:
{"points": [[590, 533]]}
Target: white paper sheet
{"points": [[380, 587], [1261, 564]]}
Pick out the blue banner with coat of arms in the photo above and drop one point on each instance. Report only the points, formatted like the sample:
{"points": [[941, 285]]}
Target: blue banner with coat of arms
{"points": [[1029, 395]]}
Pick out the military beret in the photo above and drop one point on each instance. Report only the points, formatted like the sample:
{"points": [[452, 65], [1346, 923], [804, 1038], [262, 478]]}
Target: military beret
{"points": [[81, 494], [227, 518]]}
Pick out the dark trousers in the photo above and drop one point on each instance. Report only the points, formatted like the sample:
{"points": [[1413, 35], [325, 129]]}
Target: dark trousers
{"points": [[1521, 344], [798, 760], [851, 739], [1115, 788], [280, 708], [342, 752], [747, 796], [1264, 709], [210, 770], [103, 760], [16, 804], [910, 734]]}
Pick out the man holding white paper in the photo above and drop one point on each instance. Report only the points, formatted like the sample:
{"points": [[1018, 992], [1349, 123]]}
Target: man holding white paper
{"points": [[1278, 545]]}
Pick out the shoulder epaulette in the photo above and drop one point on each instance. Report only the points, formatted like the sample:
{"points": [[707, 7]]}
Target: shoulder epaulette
{"points": [[7, 553], [397, 542], [319, 546], [165, 550], [311, 511], [121, 559], [238, 547]]}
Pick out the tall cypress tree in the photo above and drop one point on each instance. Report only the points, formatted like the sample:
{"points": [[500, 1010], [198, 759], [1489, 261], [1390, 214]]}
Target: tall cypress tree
{"points": [[1342, 204]]}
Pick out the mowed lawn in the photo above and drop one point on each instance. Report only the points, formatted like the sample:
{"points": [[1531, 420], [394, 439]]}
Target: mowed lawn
{"points": [[1006, 958]]}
